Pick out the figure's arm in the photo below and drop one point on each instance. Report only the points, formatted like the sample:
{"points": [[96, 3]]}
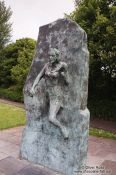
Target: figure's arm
{"points": [[38, 78]]}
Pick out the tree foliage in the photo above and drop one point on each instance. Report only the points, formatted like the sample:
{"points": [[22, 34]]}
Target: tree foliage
{"points": [[98, 18], [16, 61], [5, 25], [24, 59]]}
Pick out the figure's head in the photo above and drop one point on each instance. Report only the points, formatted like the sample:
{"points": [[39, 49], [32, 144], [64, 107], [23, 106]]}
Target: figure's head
{"points": [[54, 55]]}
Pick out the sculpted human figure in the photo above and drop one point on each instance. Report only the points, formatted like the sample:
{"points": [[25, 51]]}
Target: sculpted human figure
{"points": [[56, 77]]}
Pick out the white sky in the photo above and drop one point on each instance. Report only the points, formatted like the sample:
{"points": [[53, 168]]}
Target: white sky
{"points": [[29, 15]]}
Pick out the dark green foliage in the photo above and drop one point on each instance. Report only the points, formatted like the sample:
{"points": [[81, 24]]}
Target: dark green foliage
{"points": [[15, 63], [101, 108], [5, 34], [5, 25], [11, 94], [98, 19], [25, 55], [14, 67], [8, 60]]}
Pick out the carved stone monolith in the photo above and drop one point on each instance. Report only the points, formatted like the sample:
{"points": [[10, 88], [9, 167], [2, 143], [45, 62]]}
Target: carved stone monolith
{"points": [[55, 97]]}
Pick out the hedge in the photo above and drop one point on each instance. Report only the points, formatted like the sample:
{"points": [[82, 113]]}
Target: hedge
{"points": [[11, 94], [103, 109]]}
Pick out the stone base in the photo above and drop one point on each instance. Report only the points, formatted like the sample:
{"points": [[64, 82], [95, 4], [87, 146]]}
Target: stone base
{"points": [[43, 143]]}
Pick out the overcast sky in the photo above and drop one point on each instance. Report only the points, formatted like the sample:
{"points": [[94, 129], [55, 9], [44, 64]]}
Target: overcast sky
{"points": [[28, 15]]}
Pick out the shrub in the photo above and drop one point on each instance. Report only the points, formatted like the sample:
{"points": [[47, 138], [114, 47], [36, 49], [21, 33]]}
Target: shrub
{"points": [[103, 109], [11, 94]]}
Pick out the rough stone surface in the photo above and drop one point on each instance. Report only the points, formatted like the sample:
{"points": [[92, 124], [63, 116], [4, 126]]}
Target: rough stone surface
{"points": [[43, 142]]}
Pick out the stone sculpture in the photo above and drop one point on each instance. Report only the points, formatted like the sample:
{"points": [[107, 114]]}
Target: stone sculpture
{"points": [[55, 74], [55, 97]]}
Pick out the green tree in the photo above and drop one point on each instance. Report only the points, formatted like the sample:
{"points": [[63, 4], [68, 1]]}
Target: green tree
{"points": [[5, 25], [98, 18], [20, 70], [16, 61], [8, 60]]}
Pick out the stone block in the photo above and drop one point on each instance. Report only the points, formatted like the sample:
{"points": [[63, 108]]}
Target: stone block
{"points": [[43, 142]]}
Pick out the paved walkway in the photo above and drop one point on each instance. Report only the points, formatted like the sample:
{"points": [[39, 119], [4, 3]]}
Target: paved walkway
{"points": [[101, 152]]}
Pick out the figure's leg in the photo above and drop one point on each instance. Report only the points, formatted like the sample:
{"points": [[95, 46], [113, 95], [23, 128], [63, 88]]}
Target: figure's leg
{"points": [[54, 108]]}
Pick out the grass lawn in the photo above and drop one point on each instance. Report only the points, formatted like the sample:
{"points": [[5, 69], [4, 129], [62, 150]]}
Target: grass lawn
{"points": [[102, 133], [11, 116]]}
